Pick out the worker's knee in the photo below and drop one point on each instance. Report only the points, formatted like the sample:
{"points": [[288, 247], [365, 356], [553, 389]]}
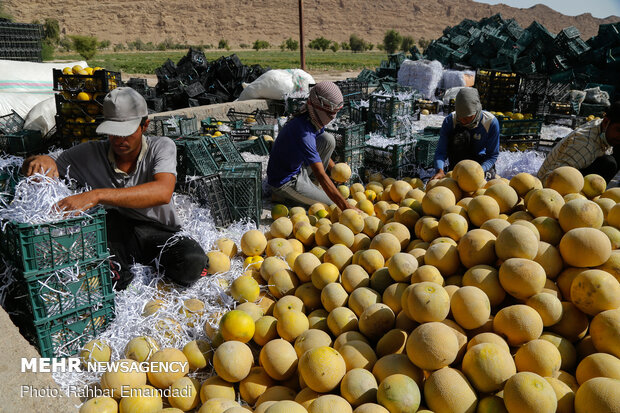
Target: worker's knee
{"points": [[326, 140], [184, 261]]}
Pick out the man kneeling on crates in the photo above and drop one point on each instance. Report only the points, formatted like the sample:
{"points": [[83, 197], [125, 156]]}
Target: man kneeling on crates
{"points": [[589, 148], [133, 176], [468, 133], [303, 147]]}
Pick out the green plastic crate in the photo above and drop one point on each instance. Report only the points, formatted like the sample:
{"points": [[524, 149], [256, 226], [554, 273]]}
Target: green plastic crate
{"points": [[526, 127], [211, 125], [397, 160], [348, 137], [56, 293], [8, 180], [38, 248], [242, 182], [66, 336], [222, 149], [588, 109], [255, 146], [293, 105], [354, 157], [194, 158], [425, 149]]}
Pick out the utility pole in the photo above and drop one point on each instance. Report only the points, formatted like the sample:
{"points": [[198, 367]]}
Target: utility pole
{"points": [[302, 54]]}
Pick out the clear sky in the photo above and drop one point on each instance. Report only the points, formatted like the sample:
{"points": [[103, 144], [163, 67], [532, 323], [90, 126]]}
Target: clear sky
{"points": [[598, 8]]}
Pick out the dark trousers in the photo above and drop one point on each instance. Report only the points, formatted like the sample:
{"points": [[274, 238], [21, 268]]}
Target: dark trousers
{"points": [[182, 261], [605, 166]]}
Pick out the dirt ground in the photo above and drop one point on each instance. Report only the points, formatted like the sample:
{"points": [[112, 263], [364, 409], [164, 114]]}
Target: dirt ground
{"points": [[319, 76]]}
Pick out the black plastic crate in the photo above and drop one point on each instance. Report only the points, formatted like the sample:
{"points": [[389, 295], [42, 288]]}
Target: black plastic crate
{"points": [[497, 89], [211, 125], [355, 112], [38, 248], [593, 109], [101, 81], [23, 143], [293, 105], [72, 109], [11, 123], [432, 107], [208, 191], [521, 144], [74, 130], [67, 335], [242, 182]]}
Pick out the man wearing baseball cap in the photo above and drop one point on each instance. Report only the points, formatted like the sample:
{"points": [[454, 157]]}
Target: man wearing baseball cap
{"points": [[133, 176]]}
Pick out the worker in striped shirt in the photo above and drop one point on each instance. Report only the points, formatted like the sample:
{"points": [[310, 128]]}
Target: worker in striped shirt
{"points": [[593, 148]]}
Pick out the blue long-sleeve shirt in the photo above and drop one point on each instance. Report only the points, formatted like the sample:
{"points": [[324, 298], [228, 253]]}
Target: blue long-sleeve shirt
{"points": [[485, 140]]}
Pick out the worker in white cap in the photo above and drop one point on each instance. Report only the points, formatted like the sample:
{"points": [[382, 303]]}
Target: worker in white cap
{"points": [[133, 176], [468, 133]]}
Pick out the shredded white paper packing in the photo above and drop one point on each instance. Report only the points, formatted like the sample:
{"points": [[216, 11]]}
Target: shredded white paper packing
{"points": [[511, 163]]}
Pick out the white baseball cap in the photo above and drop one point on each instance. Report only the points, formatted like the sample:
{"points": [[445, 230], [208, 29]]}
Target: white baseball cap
{"points": [[123, 110]]}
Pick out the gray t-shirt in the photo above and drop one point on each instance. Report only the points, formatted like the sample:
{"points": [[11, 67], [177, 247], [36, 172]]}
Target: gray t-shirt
{"points": [[92, 164]]}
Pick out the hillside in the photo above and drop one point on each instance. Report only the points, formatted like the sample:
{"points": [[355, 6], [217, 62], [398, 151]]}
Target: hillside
{"points": [[243, 21]]}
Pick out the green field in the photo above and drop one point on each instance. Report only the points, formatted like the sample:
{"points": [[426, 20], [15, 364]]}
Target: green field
{"points": [[147, 62]]}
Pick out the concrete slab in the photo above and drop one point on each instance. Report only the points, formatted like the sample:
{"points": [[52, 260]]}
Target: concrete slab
{"points": [[219, 110], [26, 392]]}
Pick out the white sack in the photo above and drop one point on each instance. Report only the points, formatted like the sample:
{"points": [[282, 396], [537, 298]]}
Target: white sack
{"points": [[276, 84], [450, 94], [423, 75], [30, 77], [597, 96], [41, 116], [20, 102]]}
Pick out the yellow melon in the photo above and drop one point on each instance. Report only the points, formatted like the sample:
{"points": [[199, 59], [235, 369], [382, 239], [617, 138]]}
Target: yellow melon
{"points": [[488, 366], [399, 393], [469, 175], [593, 291], [333, 295], [522, 278], [545, 203], [340, 172], [598, 365], [141, 399], [362, 298], [386, 243], [436, 200], [528, 392], [565, 180], [340, 320], [100, 405], [163, 379], [185, 393], [598, 395], [481, 209], [324, 274], [279, 359], [253, 243], [573, 325], [393, 342], [218, 262], [505, 196], [564, 394], [330, 403], [585, 247], [516, 241], [376, 320], [548, 306], [470, 307], [549, 229], [477, 247], [540, 357], [432, 346], [358, 354], [427, 273], [524, 182], [359, 386], [428, 301], [518, 323], [452, 225], [605, 332], [444, 257], [310, 339], [216, 388], [217, 405], [232, 361], [322, 368], [580, 213], [353, 277], [447, 390]]}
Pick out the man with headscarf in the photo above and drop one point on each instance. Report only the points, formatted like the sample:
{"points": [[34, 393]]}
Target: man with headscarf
{"points": [[303, 143], [468, 133]]}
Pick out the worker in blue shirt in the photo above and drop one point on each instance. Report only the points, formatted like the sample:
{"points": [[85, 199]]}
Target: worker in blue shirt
{"points": [[468, 133], [303, 148]]}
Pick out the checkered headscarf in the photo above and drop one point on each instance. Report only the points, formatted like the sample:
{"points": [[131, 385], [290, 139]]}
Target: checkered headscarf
{"points": [[324, 102]]}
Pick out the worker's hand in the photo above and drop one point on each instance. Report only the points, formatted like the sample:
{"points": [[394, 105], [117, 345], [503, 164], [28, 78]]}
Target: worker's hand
{"points": [[75, 203], [349, 206], [42, 164], [440, 174]]}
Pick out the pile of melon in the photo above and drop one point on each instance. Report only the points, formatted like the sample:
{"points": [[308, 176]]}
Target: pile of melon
{"points": [[464, 296]]}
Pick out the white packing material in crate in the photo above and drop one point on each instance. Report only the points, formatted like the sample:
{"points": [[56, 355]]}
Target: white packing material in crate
{"points": [[509, 164]]}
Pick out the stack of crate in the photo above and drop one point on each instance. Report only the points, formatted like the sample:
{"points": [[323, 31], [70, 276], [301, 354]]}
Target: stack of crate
{"points": [[79, 103], [20, 41], [65, 273]]}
